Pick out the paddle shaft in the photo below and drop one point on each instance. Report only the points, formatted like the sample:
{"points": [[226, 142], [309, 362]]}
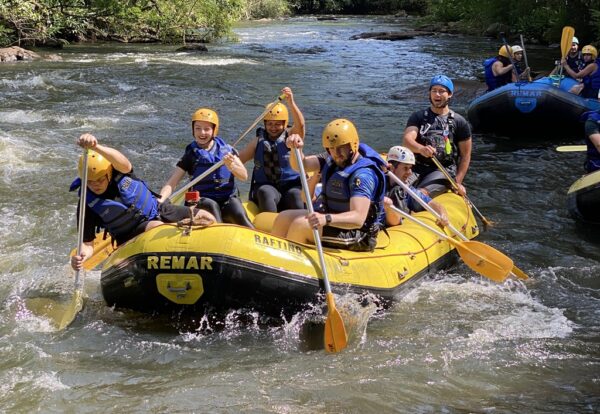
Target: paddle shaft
{"points": [[525, 57], [485, 221], [220, 163], [509, 50], [311, 210], [81, 216]]}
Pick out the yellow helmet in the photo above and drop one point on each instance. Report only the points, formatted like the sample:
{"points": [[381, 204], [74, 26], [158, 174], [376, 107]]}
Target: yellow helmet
{"points": [[208, 115], [279, 112], [506, 53], [589, 49], [97, 166], [340, 132]]}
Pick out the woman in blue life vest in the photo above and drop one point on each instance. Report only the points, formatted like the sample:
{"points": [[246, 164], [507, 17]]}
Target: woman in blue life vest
{"points": [[352, 196], [275, 185], [120, 202], [218, 192], [592, 141], [589, 75], [498, 70]]}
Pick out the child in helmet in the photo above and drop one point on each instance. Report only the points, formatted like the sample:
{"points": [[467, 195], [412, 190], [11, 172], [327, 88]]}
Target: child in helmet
{"points": [[275, 185], [218, 192], [589, 75], [522, 71], [400, 162], [498, 70], [120, 202]]}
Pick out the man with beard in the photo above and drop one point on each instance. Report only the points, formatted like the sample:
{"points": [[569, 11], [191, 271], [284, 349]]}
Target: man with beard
{"points": [[438, 131], [353, 190]]}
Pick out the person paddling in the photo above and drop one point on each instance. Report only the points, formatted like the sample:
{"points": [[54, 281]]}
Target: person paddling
{"points": [[592, 141], [498, 70], [120, 202], [438, 131], [589, 75]]}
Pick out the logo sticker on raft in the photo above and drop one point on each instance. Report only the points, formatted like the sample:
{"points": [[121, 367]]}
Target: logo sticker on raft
{"points": [[526, 94], [179, 262], [263, 240]]}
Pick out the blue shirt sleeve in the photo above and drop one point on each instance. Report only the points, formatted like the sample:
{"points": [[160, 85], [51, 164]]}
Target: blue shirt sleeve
{"points": [[413, 205], [363, 183]]}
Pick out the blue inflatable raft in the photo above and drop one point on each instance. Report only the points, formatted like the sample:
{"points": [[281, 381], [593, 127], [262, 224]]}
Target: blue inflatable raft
{"points": [[538, 109]]}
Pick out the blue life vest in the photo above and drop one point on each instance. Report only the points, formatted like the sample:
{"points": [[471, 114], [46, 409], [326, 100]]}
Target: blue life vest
{"points": [[134, 205], [288, 177], [591, 83], [336, 185], [592, 162], [219, 185], [492, 81]]}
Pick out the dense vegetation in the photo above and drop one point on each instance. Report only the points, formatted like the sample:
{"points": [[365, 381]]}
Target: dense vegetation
{"points": [[35, 22]]}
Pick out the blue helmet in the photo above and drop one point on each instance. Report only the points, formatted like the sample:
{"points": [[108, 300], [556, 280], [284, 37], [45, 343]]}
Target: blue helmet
{"points": [[442, 80]]}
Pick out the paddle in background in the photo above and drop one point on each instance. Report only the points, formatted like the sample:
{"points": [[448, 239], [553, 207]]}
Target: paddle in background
{"points": [[571, 148], [509, 52], [480, 257], [62, 314], [486, 223], [525, 58], [336, 338], [566, 40], [104, 247]]}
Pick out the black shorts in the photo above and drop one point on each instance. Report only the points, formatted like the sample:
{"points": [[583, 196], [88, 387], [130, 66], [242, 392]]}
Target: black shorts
{"points": [[354, 240]]}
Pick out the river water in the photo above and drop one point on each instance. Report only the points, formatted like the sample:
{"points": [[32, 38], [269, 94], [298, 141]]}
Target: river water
{"points": [[456, 343]]}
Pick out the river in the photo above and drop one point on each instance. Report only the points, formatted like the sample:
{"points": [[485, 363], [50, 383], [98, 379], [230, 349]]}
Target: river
{"points": [[456, 343]]}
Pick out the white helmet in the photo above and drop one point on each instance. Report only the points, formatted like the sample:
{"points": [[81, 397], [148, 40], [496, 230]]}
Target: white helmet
{"points": [[575, 40], [401, 154], [516, 49]]}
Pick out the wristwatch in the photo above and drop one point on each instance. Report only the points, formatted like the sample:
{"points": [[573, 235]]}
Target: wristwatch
{"points": [[327, 219]]}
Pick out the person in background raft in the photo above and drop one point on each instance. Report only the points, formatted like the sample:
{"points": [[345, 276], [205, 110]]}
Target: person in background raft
{"points": [[589, 75], [592, 141], [352, 196], [400, 162], [275, 185], [120, 202], [574, 58], [218, 192], [522, 71], [498, 70], [438, 131]]}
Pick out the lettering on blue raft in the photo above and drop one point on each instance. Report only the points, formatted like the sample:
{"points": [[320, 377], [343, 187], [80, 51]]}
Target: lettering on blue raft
{"points": [[179, 262], [278, 244]]}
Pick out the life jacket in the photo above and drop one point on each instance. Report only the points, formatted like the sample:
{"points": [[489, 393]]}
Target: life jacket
{"points": [[441, 139], [576, 63], [220, 184], [287, 176], [591, 83], [402, 199], [134, 205], [336, 184], [592, 162], [494, 82]]}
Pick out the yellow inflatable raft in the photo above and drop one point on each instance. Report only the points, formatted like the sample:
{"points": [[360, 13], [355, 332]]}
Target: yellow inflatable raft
{"points": [[228, 266]]}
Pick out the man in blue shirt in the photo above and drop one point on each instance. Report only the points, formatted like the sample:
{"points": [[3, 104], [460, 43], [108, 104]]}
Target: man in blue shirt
{"points": [[351, 202]]}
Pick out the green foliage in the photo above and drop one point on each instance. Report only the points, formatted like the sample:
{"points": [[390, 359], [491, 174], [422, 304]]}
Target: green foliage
{"points": [[266, 9]]}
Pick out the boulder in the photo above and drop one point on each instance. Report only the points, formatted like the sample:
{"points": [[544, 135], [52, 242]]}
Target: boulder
{"points": [[15, 53], [192, 48], [391, 35]]}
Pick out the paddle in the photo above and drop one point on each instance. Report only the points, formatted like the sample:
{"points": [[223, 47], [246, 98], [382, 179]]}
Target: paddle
{"points": [[485, 221], [485, 254], [62, 315], [525, 57], [220, 163], [566, 41], [336, 338], [509, 50], [571, 148]]}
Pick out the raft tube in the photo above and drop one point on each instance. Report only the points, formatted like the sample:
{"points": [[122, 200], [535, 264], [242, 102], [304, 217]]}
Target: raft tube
{"points": [[538, 109], [583, 198], [227, 266]]}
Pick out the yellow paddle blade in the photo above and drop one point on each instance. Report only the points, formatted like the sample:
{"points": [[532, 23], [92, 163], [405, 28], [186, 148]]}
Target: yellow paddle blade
{"points": [[566, 40], [60, 314], [336, 338], [485, 260], [519, 273], [571, 148]]}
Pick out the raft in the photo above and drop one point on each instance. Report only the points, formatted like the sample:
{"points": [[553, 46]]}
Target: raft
{"points": [[226, 266], [583, 198], [537, 109]]}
